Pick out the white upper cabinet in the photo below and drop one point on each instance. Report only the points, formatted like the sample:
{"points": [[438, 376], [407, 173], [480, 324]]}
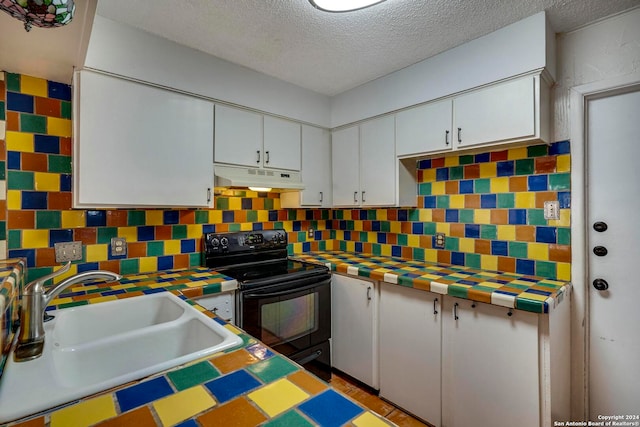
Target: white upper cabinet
{"points": [[424, 129], [246, 138], [139, 146], [345, 155]]}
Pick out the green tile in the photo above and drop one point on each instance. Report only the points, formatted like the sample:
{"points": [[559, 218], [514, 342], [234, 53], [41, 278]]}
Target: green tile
{"points": [[466, 160], [537, 150], [48, 219], [136, 218], [14, 240], [536, 217], [35, 273], [418, 254], [525, 166], [364, 237], [351, 225], [193, 375], [343, 245], [194, 259], [18, 180], [322, 245], [546, 269], [214, 288], [32, 123], [65, 109], [302, 236], [424, 189], [268, 204], [2, 114], [59, 164], [179, 232], [452, 243], [13, 82], [202, 217], [3, 230], [372, 214], [222, 203], [473, 260], [252, 216], [518, 250], [429, 228], [3, 170], [489, 232], [530, 305], [234, 227], [559, 181], [458, 291], [376, 249], [155, 249], [289, 419], [456, 172], [466, 216], [339, 214], [442, 202], [482, 185], [292, 214], [506, 200], [74, 304], [414, 215], [325, 214], [385, 226], [564, 236], [129, 266], [105, 234]]}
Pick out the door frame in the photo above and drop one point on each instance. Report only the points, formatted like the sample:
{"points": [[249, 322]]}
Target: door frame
{"points": [[579, 96]]}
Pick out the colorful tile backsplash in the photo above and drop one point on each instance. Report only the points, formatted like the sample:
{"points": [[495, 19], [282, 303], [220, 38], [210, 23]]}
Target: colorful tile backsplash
{"points": [[489, 205]]}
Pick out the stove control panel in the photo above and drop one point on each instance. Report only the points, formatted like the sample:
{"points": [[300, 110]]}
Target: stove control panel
{"points": [[244, 241]]}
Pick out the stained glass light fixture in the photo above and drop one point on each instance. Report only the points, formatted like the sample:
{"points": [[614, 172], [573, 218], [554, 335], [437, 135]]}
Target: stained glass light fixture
{"points": [[41, 13], [343, 5]]}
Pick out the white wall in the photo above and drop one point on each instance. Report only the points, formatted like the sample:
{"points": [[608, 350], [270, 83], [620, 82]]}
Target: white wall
{"points": [[130, 52]]}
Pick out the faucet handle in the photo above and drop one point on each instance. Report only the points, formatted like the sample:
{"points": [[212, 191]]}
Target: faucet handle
{"points": [[41, 281]]}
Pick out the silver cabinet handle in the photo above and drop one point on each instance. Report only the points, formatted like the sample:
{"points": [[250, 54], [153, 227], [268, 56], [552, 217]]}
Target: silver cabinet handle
{"points": [[446, 137], [369, 293], [363, 200], [208, 195], [321, 197], [455, 311], [258, 161], [459, 134], [435, 306], [266, 157], [355, 197]]}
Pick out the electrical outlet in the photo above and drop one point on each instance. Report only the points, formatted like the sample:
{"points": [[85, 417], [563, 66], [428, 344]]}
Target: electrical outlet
{"points": [[439, 241], [552, 210], [118, 246], [310, 233], [68, 251]]}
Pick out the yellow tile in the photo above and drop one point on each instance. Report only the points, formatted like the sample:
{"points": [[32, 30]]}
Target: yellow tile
{"points": [[491, 285], [456, 201], [500, 185], [18, 141], [14, 200], [381, 214], [488, 170], [517, 153], [506, 232], [413, 241], [431, 255], [129, 233], [466, 245], [85, 413], [172, 247], [154, 217], [278, 396], [489, 262], [351, 246], [58, 127], [482, 216], [564, 271], [443, 227], [276, 204], [246, 226], [73, 270], [425, 215], [563, 163], [297, 248], [451, 161], [47, 181], [437, 188], [103, 299], [148, 264], [525, 200], [372, 236], [534, 297], [97, 253], [564, 221], [194, 231], [235, 203], [233, 329], [538, 251], [385, 250], [182, 405], [73, 219], [215, 216], [35, 239], [428, 175], [369, 420], [33, 86]]}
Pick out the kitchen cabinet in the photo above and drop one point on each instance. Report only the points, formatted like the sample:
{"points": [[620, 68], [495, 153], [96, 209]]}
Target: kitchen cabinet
{"points": [[364, 164], [316, 171], [425, 129], [222, 304], [137, 145], [354, 323], [410, 350], [246, 138]]}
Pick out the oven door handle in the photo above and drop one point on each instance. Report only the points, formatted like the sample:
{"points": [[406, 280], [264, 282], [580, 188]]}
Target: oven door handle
{"points": [[280, 293], [309, 358]]}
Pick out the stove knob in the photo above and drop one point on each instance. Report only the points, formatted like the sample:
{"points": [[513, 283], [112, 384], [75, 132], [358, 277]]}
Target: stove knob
{"points": [[215, 242], [281, 238], [224, 242]]}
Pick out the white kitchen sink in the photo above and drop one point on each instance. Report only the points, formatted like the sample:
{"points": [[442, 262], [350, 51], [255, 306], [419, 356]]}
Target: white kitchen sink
{"points": [[92, 348]]}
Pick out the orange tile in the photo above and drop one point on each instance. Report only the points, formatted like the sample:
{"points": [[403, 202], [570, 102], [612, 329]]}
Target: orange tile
{"points": [[444, 257], [136, 250], [307, 382], [525, 233], [86, 235], [233, 361], [545, 196], [392, 215], [21, 220], [507, 264], [3, 149], [181, 261], [238, 216], [2, 90], [237, 413], [482, 246], [456, 230], [188, 217], [499, 216], [45, 257], [560, 253], [472, 201], [163, 232], [546, 164], [112, 265], [60, 201], [117, 218], [392, 238], [477, 295], [425, 242], [140, 417], [498, 156], [222, 228], [367, 248], [13, 121], [3, 210], [472, 171], [47, 106], [407, 252], [451, 187], [405, 227], [65, 146], [422, 284], [517, 183], [34, 162], [438, 215], [366, 226], [36, 422], [437, 163]]}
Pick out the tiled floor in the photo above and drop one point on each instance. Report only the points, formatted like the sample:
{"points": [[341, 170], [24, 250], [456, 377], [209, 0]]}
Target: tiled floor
{"points": [[373, 402]]}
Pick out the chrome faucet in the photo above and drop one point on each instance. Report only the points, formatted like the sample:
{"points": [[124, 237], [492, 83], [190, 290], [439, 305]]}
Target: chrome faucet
{"points": [[34, 302]]}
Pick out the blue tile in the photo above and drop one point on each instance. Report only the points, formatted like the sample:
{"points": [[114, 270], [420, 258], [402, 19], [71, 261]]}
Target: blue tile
{"points": [[257, 226], [483, 158], [13, 160], [472, 231], [306, 246], [227, 216], [396, 250], [403, 214], [65, 182], [308, 215], [488, 201], [210, 228], [359, 246], [46, 144], [116, 292], [297, 225], [506, 168], [273, 216], [342, 409], [165, 262], [560, 147], [375, 226], [19, 102], [517, 216], [153, 291], [424, 164], [546, 234], [442, 174], [499, 247], [362, 214], [229, 386], [88, 266], [246, 203], [29, 254], [382, 237], [171, 217], [34, 200], [429, 202], [466, 186], [538, 183], [457, 258], [187, 246], [58, 236], [564, 197], [188, 423], [451, 215], [143, 393], [416, 228], [59, 91], [525, 266], [347, 235], [146, 233], [96, 218]]}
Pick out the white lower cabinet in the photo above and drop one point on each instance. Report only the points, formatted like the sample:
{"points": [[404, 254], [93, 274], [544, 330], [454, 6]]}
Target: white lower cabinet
{"points": [[410, 351], [354, 331]]}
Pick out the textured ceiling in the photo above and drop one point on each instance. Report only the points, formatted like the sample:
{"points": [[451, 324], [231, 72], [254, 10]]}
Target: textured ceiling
{"points": [[333, 52]]}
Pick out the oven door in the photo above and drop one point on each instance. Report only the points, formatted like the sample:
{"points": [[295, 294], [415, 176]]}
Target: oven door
{"points": [[288, 317]]}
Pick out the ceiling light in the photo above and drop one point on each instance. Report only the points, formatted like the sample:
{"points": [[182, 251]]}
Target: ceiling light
{"points": [[41, 13], [260, 189], [343, 5]]}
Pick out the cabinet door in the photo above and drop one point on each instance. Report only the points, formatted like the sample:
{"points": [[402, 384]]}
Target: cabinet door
{"points": [[138, 145], [410, 349], [378, 162], [353, 328], [281, 144], [316, 166], [490, 366], [496, 114], [238, 137], [424, 129], [345, 165]]}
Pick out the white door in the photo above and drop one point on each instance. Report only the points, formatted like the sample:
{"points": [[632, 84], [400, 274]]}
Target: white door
{"points": [[613, 190], [424, 129], [281, 144], [378, 162], [238, 137], [345, 164], [316, 167]]}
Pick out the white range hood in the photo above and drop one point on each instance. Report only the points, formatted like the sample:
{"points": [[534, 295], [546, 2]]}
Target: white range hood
{"points": [[244, 177]]}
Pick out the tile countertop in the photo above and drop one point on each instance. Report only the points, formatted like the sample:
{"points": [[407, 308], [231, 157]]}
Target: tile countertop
{"points": [[248, 385], [529, 293]]}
